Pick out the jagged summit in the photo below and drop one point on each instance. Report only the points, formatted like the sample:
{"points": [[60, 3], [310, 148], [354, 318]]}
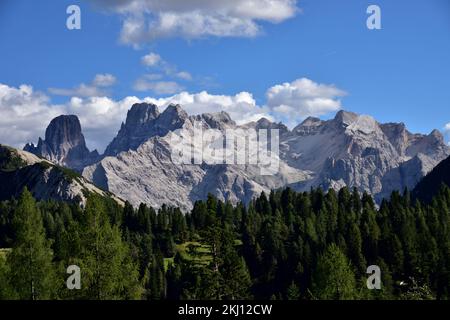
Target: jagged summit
{"points": [[265, 123], [218, 119], [310, 121], [308, 126], [172, 118], [348, 150], [143, 122], [64, 144], [345, 117], [141, 113], [436, 134]]}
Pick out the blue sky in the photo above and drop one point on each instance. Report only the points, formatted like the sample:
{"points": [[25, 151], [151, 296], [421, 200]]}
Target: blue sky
{"points": [[399, 73]]}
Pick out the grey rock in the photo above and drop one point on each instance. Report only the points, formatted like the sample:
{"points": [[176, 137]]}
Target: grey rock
{"points": [[349, 150], [143, 122], [64, 144]]}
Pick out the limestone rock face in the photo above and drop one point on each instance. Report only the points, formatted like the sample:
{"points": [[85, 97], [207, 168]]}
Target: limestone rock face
{"points": [[148, 173], [144, 121], [64, 144], [356, 151], [349, 150]]}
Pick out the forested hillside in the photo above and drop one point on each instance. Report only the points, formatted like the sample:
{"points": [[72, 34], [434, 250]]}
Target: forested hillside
{"points": [[429, 186], [285, 245]]}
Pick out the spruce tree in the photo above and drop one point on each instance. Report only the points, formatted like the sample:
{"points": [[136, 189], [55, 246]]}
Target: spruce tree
{"points": [[5, 289], [334, 278], [31, 272], [293, 292], [106, 266]]}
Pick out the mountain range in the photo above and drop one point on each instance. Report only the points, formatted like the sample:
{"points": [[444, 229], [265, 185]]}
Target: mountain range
{"points": [[349, 150]]}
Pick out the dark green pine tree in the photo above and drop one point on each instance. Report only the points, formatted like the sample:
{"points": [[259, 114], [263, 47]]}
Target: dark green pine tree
{"points": [[354, 247], [233, 269], [31, 272], [154, 279], [5, 288], [106, 268], [334, 278], [293, 292], [370, 231]]}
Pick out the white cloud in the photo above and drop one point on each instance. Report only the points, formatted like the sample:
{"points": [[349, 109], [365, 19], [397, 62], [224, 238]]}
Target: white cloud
{"points": [[149, 82], [150, 60], [155, 61], [95, 89], [301, 98], [26, 113], [147, 20], [100, 117], [104, 80], [153, 76], [157, 87], [447, 127], [184, 75], [80, 91], [242, 107]]}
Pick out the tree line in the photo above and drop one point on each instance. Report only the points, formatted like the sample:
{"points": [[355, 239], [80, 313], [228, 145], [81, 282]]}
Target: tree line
{"points": [[284, 245]]}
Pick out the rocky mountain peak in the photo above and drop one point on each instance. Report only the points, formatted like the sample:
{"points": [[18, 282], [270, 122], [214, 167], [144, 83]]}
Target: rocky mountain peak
{"points": [[437, 135], [392, 130], [172, 118], [143, 122], [350, 150], [64, 131], [311, 121], [175, 111], [217, 120], [308, 126], [345, 117], [141, 113], [265, 123], [64, 143]]}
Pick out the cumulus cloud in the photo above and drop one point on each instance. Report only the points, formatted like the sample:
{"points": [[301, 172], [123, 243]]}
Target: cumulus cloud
{"points": [[155, 82], [104, 80], [157, 87], [155, 61], [100, 117], [26, 112], [184, 75], [94, 89], [242, 107], [301, 98], [150, 60], [153, 76], [147, 20]]}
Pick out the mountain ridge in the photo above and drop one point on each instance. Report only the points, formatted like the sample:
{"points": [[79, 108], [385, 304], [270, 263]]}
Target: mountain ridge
{"points": [[349, 150], [44, 179], [429, 186]]}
